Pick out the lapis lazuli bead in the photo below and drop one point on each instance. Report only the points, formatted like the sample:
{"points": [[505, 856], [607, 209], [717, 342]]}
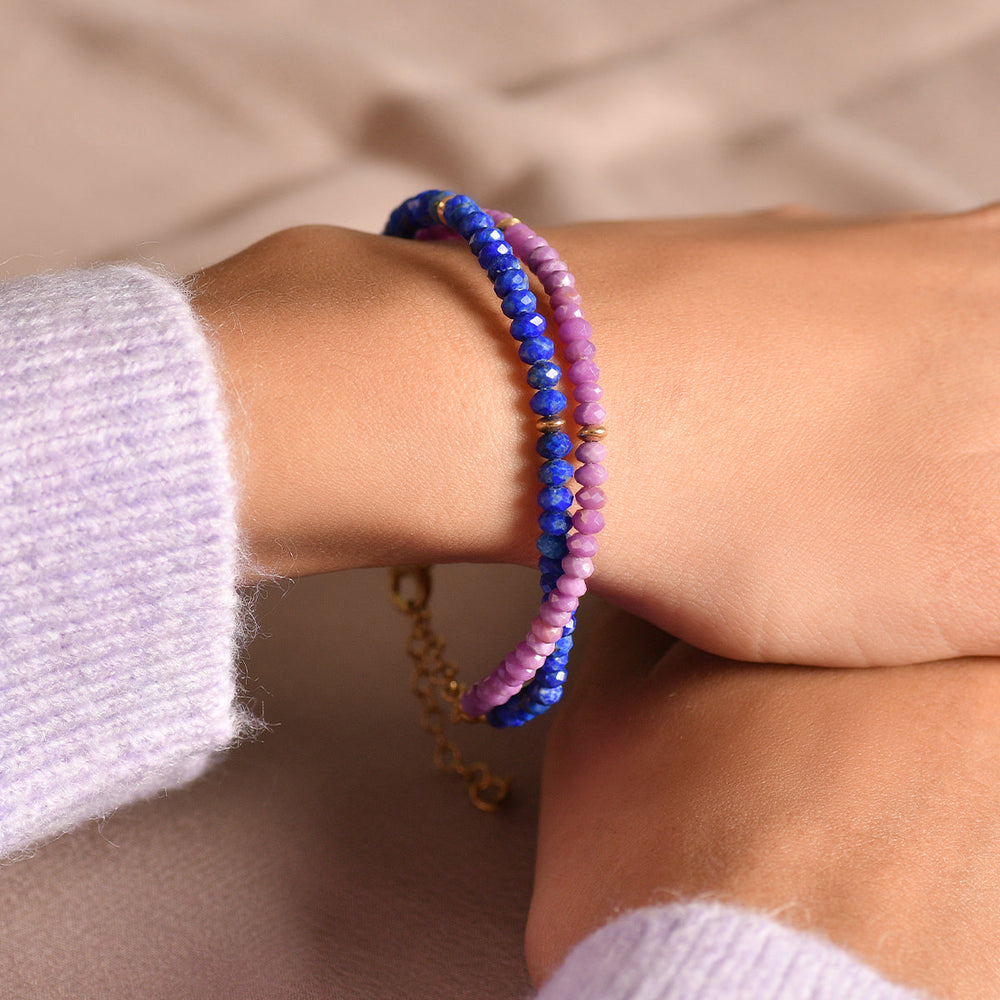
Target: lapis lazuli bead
{"points": [[547, 566], [544, 375], [501, 266], [482, 238], [554, 444], [473, 224], [536, 349], [514, 280], [555, 472], [458, 208], [552, 546], [547, 696], [530, 324], [493, 252], [555, 498], [548, 402], [518, 303], [563, 645], [554, 522]]}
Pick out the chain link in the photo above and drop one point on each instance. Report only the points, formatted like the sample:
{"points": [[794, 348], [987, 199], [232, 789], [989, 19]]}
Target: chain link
{"points": [[435, 683]]}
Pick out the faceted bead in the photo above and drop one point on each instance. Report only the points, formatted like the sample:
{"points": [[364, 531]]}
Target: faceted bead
{"points": [[580, 350], [553, 616], [583, 371], [530, 324], [550, 267], [547, 696], [518, 303], [546, 649], [575, 329], [591, 474], [587, 413], [484, 237], [578, 566], [554, 445], [493, 252], [552, 546], [548, 583], [570, 310], [555, 498], [474, 223], [501, 266], [588, 522], [555, 472], [544, 375], [514, 280], [516, 234], [547, 633], [459, 207], [591, 498], [540, 255], [588, 392], [536, 349], [548, 402], [532, 242], [592, 451], [528, 658], [548, 566], [572, 585], [567, 297], [564, 602], [557, 281], [582, 545]]}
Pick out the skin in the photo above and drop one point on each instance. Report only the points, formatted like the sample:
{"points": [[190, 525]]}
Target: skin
{"points": [[803, 438], [859, 805]]}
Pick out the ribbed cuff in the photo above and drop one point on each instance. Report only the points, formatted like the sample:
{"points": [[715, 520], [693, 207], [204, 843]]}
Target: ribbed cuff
{"points": [[118, 611], [703, 951]]}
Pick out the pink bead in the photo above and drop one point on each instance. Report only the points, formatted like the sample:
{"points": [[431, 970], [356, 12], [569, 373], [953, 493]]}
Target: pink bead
{"points": [[543, 648], [587, 392], [561, 313], [564, 602], [572, 585], [550, 267], [588, 522], [541, 254], [527, 657], [591, 498], [510, 674], [517, 234], [553, 616], [526, 246], [581, 567], [579, 350], [575, 329], [583, 370], [591, 451], [582, 545], [591, 475], [566, 296], [590, 413], [558, 280], [547, 633]]}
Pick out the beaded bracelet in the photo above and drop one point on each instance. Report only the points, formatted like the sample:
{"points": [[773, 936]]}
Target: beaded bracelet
{"points": [[530, 678]]}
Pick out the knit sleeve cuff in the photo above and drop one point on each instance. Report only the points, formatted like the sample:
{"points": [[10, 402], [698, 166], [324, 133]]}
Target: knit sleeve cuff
{"points": [[705, 951], [118, 610]]}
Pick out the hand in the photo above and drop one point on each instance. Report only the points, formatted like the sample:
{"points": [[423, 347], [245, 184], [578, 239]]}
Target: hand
{"points": [[804, 421], [861, 805]]}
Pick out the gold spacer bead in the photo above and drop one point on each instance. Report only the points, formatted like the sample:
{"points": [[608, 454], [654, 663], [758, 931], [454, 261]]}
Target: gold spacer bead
{"points": [[592, 432], [440, 208], [504, 224], [546, 424]]}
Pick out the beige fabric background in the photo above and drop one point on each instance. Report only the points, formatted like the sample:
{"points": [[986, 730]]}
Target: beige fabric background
{"points": [[328, 859]]}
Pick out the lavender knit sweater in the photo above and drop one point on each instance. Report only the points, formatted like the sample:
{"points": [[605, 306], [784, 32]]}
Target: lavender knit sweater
{"points": [[119, 616]]}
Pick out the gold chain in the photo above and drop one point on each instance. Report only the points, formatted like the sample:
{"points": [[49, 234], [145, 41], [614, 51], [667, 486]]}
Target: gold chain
{"points": [[435, 683]]}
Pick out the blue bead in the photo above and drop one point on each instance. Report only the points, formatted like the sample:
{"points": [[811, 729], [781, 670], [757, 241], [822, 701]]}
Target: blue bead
{"points": [[555, 498], [548, 402], [530, 324], [459, 207], [552, 546], [548, 584], [552, 678], [544, 375], [482, 238], [570, 627], [472, 224], [518, 303], [501, 266], [555, 472], [554, 523], [493, 252], [547, 696], [563, 645], [514, 280], [557, 661], [536, 349], [397, 224], [548, 566], [555, 444]]}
